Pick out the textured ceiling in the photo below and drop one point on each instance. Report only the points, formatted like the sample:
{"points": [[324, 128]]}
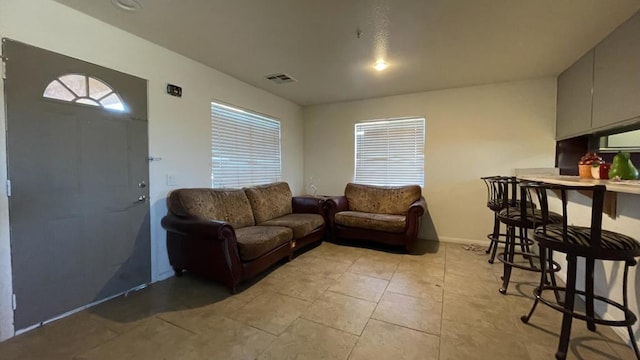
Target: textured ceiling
{"points": [[429, 44]]}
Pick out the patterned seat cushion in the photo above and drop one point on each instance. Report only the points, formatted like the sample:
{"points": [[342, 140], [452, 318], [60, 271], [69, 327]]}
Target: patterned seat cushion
{"points": [[363, 220], [301, 224], [255, 241], [578, 235], [514, 214], [496, 205]]}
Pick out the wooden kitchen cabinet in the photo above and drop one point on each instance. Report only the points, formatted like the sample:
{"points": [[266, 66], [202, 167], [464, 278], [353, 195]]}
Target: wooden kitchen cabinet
{"points": [[616, 82], [573, 112]]}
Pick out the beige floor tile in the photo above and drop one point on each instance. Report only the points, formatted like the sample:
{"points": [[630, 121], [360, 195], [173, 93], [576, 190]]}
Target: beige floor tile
{"points": [[151, 339], [308, 340], [410, 284], [126, 312], [341, 312], [320, 266], [416, 313], [592, 346], [342, 253], [191, 318], [462, 341], [360, 286], [223, 338], [271, 312], [59, 339], [381, 341], [289, 280], [375, 267], [426, 269], [198, 319], [470, 286]]}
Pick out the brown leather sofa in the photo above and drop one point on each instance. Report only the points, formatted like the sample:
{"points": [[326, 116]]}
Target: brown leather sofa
{"points": [[385, 214], [231, 235]]}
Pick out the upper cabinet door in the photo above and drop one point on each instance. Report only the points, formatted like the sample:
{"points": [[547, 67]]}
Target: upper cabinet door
{"points": [[616, 94], [574, 98]]}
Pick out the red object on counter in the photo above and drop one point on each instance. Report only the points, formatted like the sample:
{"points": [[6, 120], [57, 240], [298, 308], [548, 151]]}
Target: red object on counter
{"points": [[604, 170]]}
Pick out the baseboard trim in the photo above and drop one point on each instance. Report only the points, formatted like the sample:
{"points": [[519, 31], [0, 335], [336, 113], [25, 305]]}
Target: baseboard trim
{"points": [[454, 240]]}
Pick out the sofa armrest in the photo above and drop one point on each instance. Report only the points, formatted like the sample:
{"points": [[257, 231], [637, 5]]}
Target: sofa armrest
{"points": [[336, 204], [417, 208], [331, 207], [213, 230], [307, 205]]}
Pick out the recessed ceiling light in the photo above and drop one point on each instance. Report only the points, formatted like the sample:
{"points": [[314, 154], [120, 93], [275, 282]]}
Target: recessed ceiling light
{"points": [[128, 5], [380, 65]]}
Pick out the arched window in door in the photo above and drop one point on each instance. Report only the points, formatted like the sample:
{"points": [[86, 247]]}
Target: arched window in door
{"points": [[83, 89]]}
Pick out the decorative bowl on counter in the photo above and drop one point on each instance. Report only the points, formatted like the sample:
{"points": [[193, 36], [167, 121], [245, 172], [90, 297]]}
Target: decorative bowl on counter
{"points": [[586, 165]]}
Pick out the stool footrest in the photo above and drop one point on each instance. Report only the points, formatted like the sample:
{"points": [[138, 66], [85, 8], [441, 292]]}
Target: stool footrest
{"points": [[494, 239], [501, 258], [630, 317]]}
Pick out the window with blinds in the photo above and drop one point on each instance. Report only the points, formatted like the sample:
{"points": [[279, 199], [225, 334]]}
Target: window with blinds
{"points": [[245, 148], [390, 152]]}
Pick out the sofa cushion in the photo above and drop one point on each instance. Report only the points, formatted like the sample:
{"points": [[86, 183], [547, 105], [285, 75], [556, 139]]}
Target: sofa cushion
{"points": [[255, 241], [301, 224], [381, 199], [269, 201], [230, 205], [362, 220]]}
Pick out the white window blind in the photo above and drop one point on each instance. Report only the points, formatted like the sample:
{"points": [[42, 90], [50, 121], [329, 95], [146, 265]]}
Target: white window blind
{"points": [[245, 148], [390, 152]]}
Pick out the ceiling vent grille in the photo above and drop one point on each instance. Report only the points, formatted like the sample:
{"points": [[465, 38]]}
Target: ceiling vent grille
{"points": [[280, 78]]}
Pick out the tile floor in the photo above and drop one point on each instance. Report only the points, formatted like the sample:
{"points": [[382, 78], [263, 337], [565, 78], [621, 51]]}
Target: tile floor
{"points": [[332, 302]]}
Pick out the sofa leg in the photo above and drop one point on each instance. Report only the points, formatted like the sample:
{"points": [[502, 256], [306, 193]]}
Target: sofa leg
{"points": [[178, 271]]}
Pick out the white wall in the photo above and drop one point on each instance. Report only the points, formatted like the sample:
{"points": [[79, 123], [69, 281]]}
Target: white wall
{"points": [[470, 132], [179, 128]]}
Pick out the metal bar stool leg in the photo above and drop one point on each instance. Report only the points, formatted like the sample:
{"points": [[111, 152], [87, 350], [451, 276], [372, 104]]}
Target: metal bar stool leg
{"points": [[552, 274], [493, 246], [625, 301], [569, 301], [508, 255], [543, 281], [588, 283]]}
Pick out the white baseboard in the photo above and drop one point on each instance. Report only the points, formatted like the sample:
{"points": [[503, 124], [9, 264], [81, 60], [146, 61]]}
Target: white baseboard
{"points": [[454, 240]]}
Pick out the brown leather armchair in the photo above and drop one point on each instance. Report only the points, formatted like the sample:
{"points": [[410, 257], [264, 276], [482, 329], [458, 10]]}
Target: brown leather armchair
{"points": [[385, 214]]}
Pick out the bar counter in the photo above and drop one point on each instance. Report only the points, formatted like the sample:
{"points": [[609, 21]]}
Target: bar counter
{"points": [[613, 187], [621, 186]]}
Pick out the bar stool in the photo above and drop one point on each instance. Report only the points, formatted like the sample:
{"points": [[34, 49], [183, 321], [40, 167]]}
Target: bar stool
{"points": [[495, 204], [591, 243], [523, 216]]}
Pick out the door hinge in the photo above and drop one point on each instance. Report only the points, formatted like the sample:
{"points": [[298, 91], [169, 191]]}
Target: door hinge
{"points": [[14, 302], [8, 188]]}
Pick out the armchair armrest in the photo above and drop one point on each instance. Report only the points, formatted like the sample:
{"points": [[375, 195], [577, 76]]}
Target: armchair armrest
{"points": [[336, 204], [331, 207], [417, 208], [213, 230], [307, 205]]}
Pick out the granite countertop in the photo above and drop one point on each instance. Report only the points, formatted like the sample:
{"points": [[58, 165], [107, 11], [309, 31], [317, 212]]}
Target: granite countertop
{"points": [[621, 186]]}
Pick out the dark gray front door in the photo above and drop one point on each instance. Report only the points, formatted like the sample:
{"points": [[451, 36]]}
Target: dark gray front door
{"points": [[79, 173]]}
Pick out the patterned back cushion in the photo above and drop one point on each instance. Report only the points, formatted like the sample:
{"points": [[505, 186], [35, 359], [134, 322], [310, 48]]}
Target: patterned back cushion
{"points": [[394, 200], [230, 205], [269, 201]]}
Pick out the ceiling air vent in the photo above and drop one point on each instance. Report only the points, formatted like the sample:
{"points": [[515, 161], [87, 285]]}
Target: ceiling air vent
{"points": [[281, 78]]}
